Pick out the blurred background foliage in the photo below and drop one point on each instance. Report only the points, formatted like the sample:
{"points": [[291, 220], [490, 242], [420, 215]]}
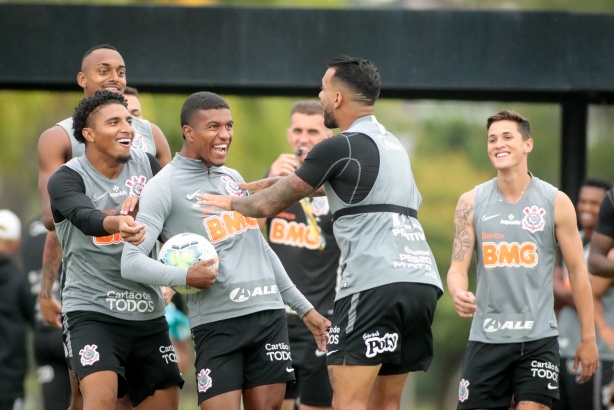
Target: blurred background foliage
{"points": [[446, 141]]}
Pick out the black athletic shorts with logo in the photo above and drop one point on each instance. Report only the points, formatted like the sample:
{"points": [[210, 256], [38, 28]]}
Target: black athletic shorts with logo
{"points": [[388, 325], [492, 373], [139, 351], [241, 353], [312, 384]]}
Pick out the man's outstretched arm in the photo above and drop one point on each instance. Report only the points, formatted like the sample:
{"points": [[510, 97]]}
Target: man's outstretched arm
{"points": [[270, 201]]}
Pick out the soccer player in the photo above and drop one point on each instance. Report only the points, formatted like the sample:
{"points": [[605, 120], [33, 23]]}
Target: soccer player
{"points": [[381, 326], [302, 237], [102, 68], [239, 322], [514, 223], [115, 333]]}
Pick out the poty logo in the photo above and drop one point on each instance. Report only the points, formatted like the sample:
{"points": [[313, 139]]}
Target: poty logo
{"points": [[204, 380], [89, 355], [376, 344], [242, 294]]}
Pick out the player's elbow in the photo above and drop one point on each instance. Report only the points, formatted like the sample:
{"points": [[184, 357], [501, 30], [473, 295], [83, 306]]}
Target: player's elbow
{"points": [[127, 267], [47, 219]]}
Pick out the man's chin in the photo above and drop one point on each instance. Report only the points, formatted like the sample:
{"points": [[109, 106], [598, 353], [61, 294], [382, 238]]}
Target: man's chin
{"points": [[122, 159]]}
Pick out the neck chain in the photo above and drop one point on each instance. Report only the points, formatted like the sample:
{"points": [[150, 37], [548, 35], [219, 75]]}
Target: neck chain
{"points": [[521, 192]]}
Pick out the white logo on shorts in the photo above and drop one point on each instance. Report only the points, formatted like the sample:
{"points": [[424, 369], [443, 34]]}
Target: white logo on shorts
{"points": [[204, 380], [376, 344], [89, 355], [463, 390]]}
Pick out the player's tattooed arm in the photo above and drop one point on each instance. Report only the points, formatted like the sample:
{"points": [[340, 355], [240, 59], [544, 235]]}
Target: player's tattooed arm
{"points": [[270, 201], [259, 185], [464, 237], [52, 257]]}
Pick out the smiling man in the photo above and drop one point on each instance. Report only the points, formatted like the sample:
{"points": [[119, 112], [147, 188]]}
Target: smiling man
{"points": [[238, 321], [389, 286], [114, 329], [102, 68], [514, 224]]}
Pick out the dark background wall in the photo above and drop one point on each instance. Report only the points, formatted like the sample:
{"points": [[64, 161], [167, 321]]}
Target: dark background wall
{"points": [[558, 57]]}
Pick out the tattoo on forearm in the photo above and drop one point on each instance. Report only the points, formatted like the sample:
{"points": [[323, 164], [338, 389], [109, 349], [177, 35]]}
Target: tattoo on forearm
{"points": [[271, 203], [52, 257], [462, 238]]}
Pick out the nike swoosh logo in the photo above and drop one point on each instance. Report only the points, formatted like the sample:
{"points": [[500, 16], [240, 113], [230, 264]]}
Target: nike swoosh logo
{"points": [[331, 352], [289, 369], [191, 196], [320, 353], [551, 387], [99, 197], [486, 218]]}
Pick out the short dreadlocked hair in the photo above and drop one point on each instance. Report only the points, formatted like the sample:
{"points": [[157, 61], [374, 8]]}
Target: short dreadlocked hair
{"points": [[89, 105]]}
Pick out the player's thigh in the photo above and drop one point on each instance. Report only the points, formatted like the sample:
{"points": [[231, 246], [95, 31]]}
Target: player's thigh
{"points": [[375, 326], [351, 384], [93, 345], [536, 374], [152, 364], [487, 376], [241, 353], [268, 359]]}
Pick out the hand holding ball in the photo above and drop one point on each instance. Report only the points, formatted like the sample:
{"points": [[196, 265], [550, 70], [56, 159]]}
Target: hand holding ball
{"points": [[185, 250]]}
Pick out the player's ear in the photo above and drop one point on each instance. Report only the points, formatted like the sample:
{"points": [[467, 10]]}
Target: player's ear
{"points": [[87, 134], [338, 99], [528, 145], [81, 80], [187, 133]]}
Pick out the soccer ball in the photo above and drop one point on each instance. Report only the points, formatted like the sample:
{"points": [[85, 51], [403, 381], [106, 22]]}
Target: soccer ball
{"points": [[184, 250]]}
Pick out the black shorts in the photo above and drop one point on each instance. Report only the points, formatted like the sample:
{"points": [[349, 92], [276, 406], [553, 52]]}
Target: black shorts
{"points": [[241, 353], [493, 372], [140, 352], [312, 384], [388, 325], [593, 394]]}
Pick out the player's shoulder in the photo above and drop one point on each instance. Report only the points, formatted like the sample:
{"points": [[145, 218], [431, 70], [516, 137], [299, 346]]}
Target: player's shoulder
{"points": [[55, 135]]}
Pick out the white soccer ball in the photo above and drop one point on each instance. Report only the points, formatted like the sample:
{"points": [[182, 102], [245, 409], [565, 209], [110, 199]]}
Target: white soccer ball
{"points": [[184, 250]]}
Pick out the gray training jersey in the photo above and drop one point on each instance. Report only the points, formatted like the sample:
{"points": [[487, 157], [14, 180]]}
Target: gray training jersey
{"points": [[380, 248], [92, 264], [569, 324], [249, 271], [515, 250], [143, 137]]}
